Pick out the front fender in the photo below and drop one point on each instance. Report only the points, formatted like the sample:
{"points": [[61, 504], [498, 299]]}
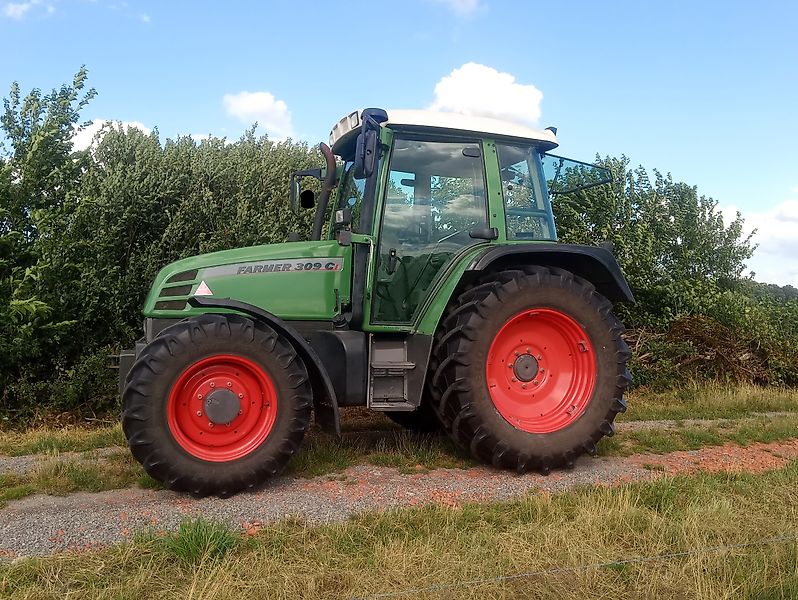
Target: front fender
{"points": [[325, 402]]}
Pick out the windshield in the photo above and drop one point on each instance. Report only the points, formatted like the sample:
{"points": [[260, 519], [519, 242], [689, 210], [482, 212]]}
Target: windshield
{"points": [[564, 175]]}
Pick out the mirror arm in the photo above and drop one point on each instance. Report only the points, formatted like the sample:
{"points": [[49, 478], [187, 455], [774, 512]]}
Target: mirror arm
{"points": [[326, 190]]}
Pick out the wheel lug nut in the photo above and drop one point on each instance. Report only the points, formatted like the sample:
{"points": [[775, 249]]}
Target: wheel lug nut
{"points": [[517, 353], [199, 413], [240, 412], [513, 379], [229, 384], [213, 384], [210, 424], [536, 382], [240, 395], [523, 385], [199, 396], [528, 350]]}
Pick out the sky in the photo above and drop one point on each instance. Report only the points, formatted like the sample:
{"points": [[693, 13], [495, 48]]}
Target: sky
{"points": [[699, 89]]}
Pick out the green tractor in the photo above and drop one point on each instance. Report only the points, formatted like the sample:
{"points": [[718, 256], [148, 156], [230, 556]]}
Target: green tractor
{"points": [[439, 296]]}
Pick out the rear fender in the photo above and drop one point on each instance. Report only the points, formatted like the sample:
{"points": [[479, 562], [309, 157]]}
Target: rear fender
{"points": [[593, 263]]}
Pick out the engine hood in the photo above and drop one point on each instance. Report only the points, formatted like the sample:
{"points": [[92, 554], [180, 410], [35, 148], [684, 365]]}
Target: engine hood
{"points": [[294, 280]]}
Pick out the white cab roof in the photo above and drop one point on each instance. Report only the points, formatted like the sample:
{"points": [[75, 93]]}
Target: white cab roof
{"points": [[348, 127]]}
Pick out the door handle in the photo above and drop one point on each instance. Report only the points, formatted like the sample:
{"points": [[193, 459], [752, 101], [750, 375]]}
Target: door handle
{"points": [[391, 266]]}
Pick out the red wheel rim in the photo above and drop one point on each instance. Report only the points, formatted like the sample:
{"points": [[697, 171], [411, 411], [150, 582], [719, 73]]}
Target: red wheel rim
{"points": [[251, 421], [541, 370]]}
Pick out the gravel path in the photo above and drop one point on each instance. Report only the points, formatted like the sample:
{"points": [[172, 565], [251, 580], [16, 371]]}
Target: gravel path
{"points": [[40, 525], [43, 524]]}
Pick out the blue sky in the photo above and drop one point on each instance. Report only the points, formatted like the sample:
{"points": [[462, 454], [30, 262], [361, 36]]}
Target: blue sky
{"points": [[706, 89]]}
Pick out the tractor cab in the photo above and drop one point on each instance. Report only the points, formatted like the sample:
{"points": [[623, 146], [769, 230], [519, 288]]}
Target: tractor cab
{"points": [[432, 289], [423, 187]]}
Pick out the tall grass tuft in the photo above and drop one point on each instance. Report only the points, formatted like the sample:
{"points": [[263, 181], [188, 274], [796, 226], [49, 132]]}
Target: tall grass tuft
{"points": [[200, 541]]}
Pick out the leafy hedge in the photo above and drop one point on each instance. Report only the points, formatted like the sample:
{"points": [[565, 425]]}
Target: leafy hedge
{"points": [[82, 235]]}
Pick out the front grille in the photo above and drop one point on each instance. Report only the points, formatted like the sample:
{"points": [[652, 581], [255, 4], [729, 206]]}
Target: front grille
{"points": [[180, 290], [184, 276], [170, 305]]}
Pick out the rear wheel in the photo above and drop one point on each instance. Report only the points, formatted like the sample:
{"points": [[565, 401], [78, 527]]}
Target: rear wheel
{"points": [[530, 369], [216, 404]]}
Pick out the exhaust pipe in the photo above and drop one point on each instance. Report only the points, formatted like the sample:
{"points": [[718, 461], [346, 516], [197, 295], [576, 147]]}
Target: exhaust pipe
{"points": [[326, 190]]}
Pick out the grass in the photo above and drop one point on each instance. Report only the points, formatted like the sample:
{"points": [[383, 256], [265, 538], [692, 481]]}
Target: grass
{"points": [[404, 450], [383, 444], [440, 546], [67, 439], [662, 440], [709, 401], [693, 401], [88, 474], [198, 541]]}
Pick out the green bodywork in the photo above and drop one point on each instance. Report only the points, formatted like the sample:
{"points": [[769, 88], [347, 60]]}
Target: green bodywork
{"points": [[313, 280], [294, 281]]}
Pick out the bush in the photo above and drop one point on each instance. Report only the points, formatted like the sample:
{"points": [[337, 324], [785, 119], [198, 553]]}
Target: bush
{"points": [[82, 234]]}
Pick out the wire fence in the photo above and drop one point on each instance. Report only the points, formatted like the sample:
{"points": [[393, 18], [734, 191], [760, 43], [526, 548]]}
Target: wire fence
{"points": [[579, 568]]}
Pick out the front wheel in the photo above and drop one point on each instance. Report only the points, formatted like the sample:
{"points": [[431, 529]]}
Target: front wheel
{"points": [[530, 369], [216, 404]]}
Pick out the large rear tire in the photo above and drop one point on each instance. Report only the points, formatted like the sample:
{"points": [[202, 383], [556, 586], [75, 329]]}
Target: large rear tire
{"points": [[216, 404], [530, 369]]}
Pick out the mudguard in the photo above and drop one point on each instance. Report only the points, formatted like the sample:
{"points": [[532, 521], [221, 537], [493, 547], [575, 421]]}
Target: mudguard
{"points": [[325, 403], [593, 263]]}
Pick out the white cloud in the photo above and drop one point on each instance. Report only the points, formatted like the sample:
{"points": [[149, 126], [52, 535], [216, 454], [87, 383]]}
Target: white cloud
{"points": [[478, 90], [17, 11], [460, 7], [270, 113], [776, 258], [145, 18], [84, 137], [199, 137]]}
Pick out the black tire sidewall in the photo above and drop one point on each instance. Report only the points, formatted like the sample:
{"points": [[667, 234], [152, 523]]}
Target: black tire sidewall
{"points": [[174, 351]]}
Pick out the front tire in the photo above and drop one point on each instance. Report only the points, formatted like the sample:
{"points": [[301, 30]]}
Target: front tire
{"points": [[530, 369], [216, 404]]}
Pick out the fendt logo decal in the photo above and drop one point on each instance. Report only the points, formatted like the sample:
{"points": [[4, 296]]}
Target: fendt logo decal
{"points": [[275, 266]]}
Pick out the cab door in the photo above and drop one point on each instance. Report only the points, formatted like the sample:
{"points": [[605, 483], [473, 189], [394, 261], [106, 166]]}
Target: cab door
{"points": [[433, 202]]}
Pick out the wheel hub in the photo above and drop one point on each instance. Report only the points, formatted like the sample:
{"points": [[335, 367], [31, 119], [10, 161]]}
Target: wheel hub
{"points": [[541, 370], [222, 406], [525, 367]]}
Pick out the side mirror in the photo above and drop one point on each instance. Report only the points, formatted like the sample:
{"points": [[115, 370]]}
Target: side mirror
{"points": [[307, 199], [365, 154], [367, 142]]}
